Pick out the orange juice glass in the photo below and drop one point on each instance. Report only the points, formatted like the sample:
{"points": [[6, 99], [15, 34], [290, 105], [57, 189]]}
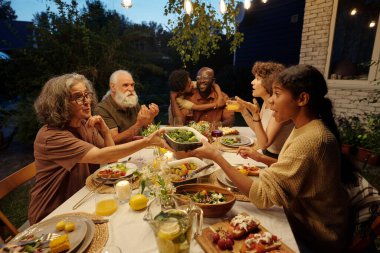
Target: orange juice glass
{"points": [[105, 204], [232, 105]]}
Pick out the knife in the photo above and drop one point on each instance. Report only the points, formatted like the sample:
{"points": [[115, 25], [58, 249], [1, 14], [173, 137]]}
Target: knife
{"points": [[198, 170]]}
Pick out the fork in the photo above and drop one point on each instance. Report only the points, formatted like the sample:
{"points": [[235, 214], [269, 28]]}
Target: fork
{"points": [[43, 239]]}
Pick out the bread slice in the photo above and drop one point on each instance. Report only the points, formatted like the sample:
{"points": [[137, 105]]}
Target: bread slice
{"points": [[260, 242], [241, 225]]}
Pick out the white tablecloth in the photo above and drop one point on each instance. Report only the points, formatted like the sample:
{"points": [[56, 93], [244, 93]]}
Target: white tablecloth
{"points": [[131, 233]]}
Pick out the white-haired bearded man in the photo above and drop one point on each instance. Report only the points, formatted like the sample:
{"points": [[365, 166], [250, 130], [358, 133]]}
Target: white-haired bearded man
{"points": [[120, 109]]}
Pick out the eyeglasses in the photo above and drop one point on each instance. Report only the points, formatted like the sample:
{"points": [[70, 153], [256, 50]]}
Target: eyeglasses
{"points": [[205, 78], [80, 98]]}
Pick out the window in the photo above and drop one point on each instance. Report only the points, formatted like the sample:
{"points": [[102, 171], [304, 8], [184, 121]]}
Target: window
{"points": [[355, 49]]}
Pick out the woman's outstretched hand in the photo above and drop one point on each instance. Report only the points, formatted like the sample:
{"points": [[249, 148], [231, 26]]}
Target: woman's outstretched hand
{"points": [[155, 139]]}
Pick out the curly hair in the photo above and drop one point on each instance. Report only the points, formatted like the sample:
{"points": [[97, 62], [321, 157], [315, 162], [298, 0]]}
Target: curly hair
{"points": [[268, 71], [178, 80], [53, 104]]}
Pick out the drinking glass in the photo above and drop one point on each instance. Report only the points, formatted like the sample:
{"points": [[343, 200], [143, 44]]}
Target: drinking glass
{"points": [[232, 104], [105, 204]]}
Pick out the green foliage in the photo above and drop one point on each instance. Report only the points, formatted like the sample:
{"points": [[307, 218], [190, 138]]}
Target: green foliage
{"points": [[94, 42], [349, 128], [370, 137], [200, 33], [6, 10]]}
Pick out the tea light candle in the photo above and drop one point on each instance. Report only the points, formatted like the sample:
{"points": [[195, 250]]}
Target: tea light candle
{"points": [[123, 190]]}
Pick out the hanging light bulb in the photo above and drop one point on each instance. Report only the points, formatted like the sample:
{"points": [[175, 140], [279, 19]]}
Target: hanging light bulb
{"points": [[264, 1], [372, 24], [247, 4], [353, 12], [222, 6], [126, 3], [188, 6]]}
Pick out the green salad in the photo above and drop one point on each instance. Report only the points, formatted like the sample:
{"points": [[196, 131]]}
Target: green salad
{"points": [[208, 197], [182, 136], [150, 129]]}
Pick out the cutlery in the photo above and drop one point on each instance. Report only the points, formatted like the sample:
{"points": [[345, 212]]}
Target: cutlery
{"points": [[42, 239], [82, 200], [100, 221], [198, 170]]}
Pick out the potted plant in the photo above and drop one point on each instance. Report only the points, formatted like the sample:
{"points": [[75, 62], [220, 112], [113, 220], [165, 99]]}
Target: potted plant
{"points": [[349, 128], [369, 140]]}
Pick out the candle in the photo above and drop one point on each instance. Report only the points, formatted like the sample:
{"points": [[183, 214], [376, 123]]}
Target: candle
{"points": [[123, 190]]}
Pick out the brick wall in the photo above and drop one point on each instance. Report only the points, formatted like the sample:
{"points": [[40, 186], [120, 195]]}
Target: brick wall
{"points": [[314, 50]]}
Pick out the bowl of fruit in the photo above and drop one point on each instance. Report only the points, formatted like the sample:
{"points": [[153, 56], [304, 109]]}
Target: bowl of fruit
{"points": [[214, 201]]}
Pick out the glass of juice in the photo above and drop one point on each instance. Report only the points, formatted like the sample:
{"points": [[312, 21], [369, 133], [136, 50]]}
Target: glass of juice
{"points": [[105, 204], [232, 104]]}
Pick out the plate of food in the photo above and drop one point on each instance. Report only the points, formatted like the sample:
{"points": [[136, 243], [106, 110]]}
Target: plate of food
{"points": [[114, 171], [243, 233], [235, 141], [229, 131], [69, 232], [179, 170]]}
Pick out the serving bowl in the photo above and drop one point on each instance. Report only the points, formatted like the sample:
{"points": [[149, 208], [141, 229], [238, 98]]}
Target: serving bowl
{"points": [[183, 146], [209, 210]]}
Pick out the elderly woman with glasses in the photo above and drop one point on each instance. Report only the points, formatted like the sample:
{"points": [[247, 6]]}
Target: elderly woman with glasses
{"points": [[69, 141]]}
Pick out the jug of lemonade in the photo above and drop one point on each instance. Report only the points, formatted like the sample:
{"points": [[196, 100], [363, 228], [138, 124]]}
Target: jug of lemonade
{"points": [[172, 220]]}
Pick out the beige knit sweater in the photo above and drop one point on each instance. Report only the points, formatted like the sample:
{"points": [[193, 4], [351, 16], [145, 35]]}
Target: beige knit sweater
{"points": [[306, 182]]}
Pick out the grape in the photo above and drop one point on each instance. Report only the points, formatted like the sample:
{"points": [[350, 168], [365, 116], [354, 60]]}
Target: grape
{"points": [[229, 244], [215, 238], [222, 244]]}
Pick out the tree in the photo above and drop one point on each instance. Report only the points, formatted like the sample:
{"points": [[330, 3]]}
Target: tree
{"points": [[200, 33], [6, 10]]}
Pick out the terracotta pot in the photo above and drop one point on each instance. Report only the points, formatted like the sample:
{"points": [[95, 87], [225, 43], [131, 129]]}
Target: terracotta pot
{"points": [[365, 155], [346, 149]]}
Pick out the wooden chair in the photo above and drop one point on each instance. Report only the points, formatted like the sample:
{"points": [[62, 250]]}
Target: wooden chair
{"points": [[365, 242], [7, 185]]}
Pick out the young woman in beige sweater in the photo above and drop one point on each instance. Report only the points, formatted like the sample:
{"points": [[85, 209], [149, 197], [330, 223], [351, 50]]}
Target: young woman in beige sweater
{"points": [[306, 179]]}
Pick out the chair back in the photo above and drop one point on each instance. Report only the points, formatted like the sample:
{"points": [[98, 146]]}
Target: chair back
{"points": [[10, 183], [365, 206]]}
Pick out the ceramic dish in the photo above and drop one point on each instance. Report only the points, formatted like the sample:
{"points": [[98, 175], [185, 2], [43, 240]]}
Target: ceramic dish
{"points": [[75, 237], [235, 141], [89, 236], [131, 167], [198, 162], [183, 146]]}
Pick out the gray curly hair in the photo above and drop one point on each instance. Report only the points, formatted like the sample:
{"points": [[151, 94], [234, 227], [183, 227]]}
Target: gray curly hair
{"points": [[53, 104]]}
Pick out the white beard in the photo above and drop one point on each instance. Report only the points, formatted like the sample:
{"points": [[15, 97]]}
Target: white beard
{"points": [[126, 100]]}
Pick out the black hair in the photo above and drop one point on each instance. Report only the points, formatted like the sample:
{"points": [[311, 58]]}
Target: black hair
{"points": [[306, 78], [178, 80]]}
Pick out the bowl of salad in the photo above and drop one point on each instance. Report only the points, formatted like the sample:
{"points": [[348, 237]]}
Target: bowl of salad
{"points": [[183, 138], [214, 201]]}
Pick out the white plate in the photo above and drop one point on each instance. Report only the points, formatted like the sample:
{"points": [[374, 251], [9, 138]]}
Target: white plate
{"points": [[44, 227], [199, 164], [131, 167], [244, 141]]}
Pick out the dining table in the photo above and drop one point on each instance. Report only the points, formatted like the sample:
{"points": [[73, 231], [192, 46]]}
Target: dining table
{"points": [[128, 230]]}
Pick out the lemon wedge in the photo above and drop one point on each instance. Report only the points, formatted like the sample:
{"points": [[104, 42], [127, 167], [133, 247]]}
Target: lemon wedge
{"points": [[169, 229], [166, 246]]}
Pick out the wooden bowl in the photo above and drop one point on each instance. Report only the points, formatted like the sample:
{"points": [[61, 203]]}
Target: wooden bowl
{"points": [[209, 210]]}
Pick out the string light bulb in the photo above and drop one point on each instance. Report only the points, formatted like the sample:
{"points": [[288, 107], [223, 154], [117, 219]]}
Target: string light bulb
{"points": [[222, 6], [353, 12], [264, 1], [247, 4], [126, 3], [372, 24], [188, 6]]}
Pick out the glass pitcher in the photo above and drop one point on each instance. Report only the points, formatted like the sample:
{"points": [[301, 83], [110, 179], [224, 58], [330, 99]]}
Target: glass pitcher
{"points": [[171, 219]]}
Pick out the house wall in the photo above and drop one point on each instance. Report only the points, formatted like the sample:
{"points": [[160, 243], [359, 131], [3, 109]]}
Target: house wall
{"points": [[350, 97]]}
